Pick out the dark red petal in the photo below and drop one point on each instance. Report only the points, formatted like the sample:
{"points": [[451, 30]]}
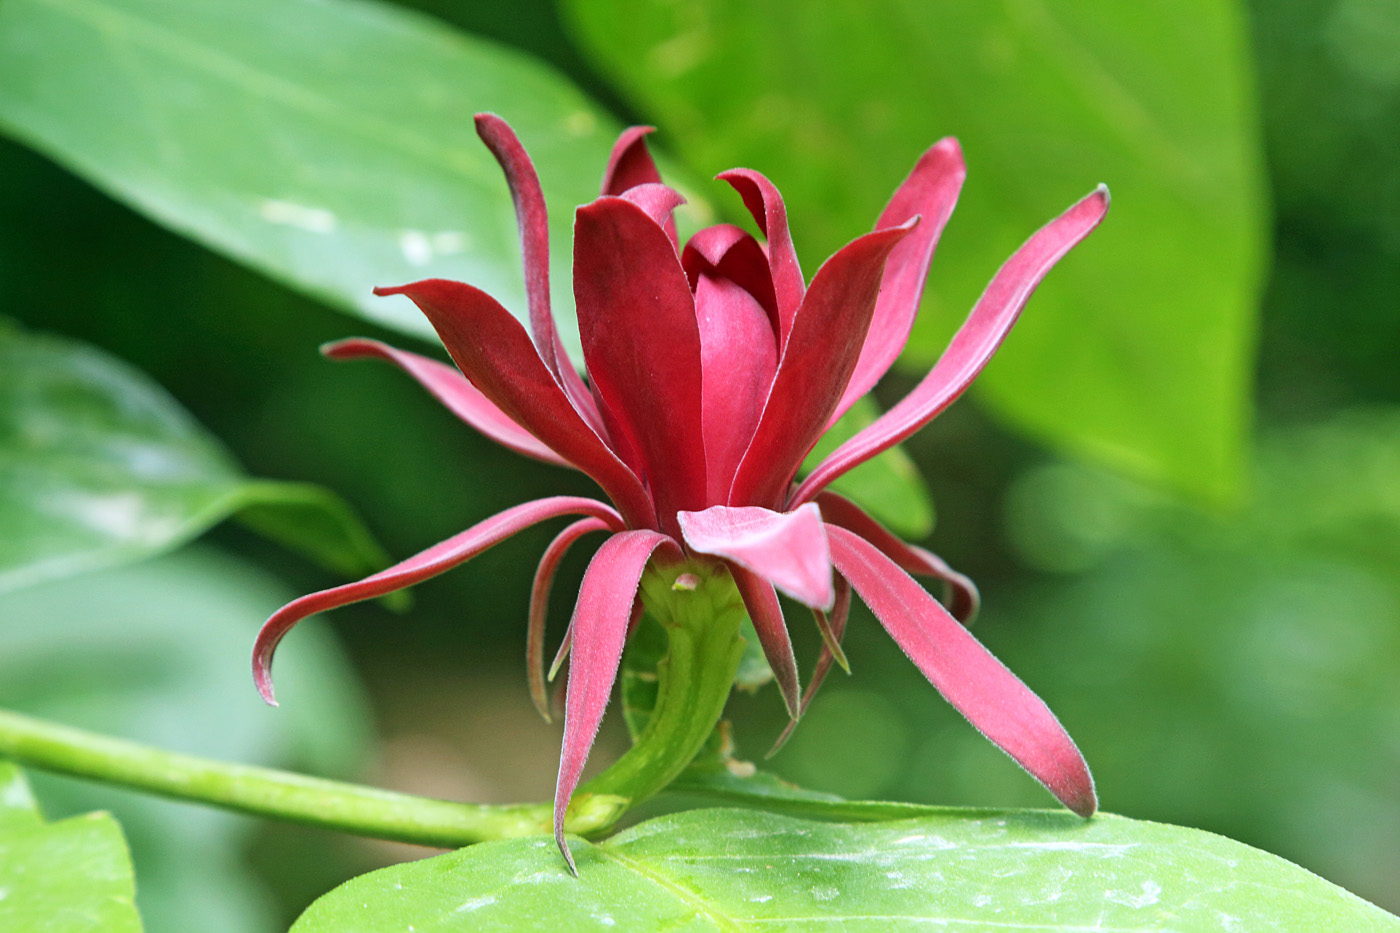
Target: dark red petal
{"points": [[539, 606], [533, 222], [788, 549], [440, 557], [978, 685], [971, 347], [833, 629], [959, 592], [728, 252], [659, 201], [630, 165], [637, 319], [766, 613], [770, 213], [454, 391], [816, 364], [495, 353], [929, 192], [600, 624]]}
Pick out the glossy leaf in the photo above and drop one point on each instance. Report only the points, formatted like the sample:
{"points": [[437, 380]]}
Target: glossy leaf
{"points": [[1138, 350], [72, 876], [98, 466], [742, 870]]}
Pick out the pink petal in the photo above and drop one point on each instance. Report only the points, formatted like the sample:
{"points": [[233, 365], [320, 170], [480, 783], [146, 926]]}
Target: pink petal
{"points": [[788, 549], [978, 685], [725, 251], [631, 165], [601, 618], [817, 361], [770, 213], [766, 613], [960, 593], [442, 556], [971, 347], [539, 606], [494, 352], [454, 391], [533, 222], [833, 628], [929, 192], [637, 319]]}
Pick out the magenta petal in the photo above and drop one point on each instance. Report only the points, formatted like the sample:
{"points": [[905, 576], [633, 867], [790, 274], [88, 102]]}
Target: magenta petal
{"points": [[600, 623], [637, 319], [788, 549], [978, 685], [725, 251], [630, 165], [816, 364], [770, 213], [659, 201], [766, 613], [971, 347], [930, 192], [442, 556], [454, 391], [496, 354], [539, 606]]}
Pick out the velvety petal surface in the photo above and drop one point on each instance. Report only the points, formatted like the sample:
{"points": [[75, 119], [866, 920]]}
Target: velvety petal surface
{"points": [[770, 213], [659, 201], [973, 345], [630, 164], [788, 549], [930, 192], [454, 391], [539, 606], [495, 353], [766, 613], [978, 685], [601, 620], [442, 556]]}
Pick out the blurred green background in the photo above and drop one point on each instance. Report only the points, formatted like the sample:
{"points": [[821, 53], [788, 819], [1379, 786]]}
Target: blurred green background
{"points": [[1218, 625]]}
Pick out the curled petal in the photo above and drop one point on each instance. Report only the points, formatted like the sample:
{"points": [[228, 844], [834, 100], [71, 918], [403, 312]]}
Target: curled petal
{"points": [[630, 165], [766, 613], [978, 685], [788, 549], [442, 556], [833, 629], [725, 251], [454, 391], [601, 620], [770, 213], [659, 201], [971, 347], [539, 606]]}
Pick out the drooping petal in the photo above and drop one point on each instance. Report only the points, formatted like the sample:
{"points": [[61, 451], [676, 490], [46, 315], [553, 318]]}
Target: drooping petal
{"points": [[533, 222], [766, 613], [930, 192], [539, 606], [770, 213], [454, 391], [960, 593], [971, 347], [816, 363], [495, 353], [637, 320], [600, 623], [630, 165], [978, 685], [788, 549], [833, 629], [442, 556]]}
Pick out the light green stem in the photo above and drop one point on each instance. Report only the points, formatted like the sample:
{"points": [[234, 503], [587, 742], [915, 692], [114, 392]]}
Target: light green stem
{"points": [[350, 808]]}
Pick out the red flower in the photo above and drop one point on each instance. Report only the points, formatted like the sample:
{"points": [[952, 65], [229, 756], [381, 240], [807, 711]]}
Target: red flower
{"points": [[712, 372]]}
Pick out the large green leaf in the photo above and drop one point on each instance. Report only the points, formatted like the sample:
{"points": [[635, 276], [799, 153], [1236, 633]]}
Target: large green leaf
{"points": [[741, 870], [73, 876], [1138, 348], [99, 466]]}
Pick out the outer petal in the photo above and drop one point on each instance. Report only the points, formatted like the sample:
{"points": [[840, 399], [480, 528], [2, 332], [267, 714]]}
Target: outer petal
{"points": [[637, 319], [539, 606], [929, 192], [454, 390], [833, 628], [766, 613], [600, 624], [442, 556], [494, 352], [971, 347], [630, 165], [770, 213], [978, 685], [960, 593], [817, 362], [789, 550]]}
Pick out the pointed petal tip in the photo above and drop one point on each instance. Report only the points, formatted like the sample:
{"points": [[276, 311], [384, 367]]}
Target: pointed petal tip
{"points": [[564, 849], [1102, 193]]}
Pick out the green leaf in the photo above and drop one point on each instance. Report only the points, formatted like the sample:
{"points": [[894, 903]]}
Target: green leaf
{"points": [[73, 876], [327, 143], [741, 870], [98, 466], [1138, 349]]}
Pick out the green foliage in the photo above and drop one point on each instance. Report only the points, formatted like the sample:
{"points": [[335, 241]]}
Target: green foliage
{"points": [[741, 870], [73, 876], [1137, 351]]}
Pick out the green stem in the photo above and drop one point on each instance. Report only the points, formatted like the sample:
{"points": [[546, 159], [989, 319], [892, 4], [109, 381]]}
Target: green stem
{"points": [[350, 808]]}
